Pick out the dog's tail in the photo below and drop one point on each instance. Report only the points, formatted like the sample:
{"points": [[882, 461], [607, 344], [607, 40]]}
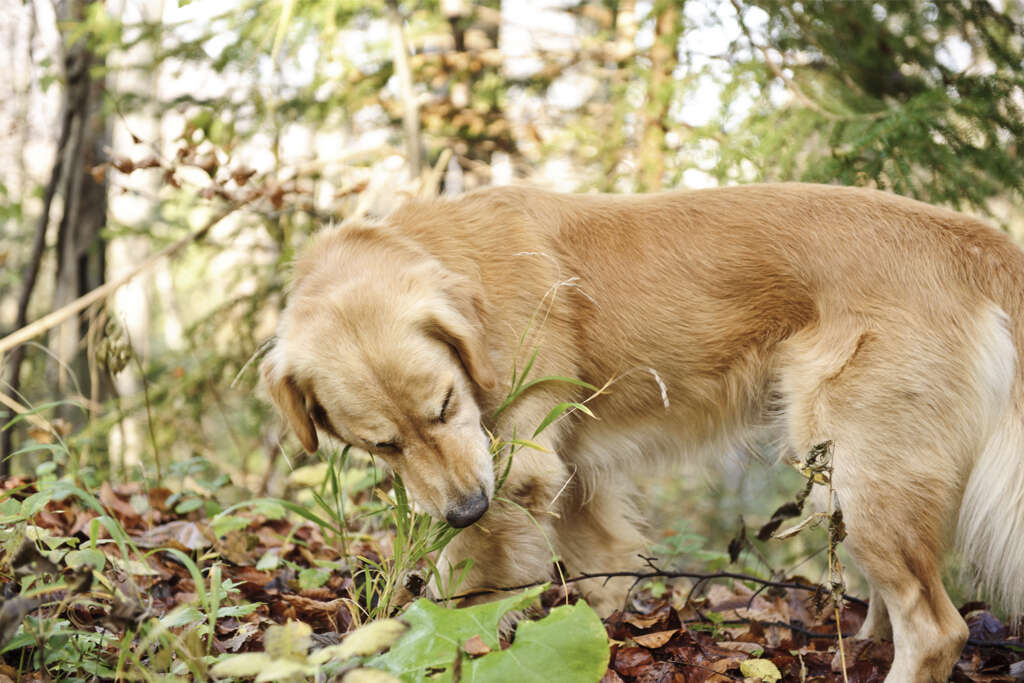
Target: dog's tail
{"points": [[990, 529]]}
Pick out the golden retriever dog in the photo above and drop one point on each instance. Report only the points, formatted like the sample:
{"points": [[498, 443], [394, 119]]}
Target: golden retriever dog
{"points": [[803, 312]]}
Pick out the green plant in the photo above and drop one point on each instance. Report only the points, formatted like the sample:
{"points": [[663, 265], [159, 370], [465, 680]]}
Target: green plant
{"points": [[569, 644]]}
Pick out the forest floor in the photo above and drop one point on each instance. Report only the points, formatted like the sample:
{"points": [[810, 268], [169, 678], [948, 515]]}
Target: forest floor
{"points": [[64, 574]]}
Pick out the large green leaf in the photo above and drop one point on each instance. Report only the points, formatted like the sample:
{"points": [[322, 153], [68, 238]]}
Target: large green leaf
{"points": [[436, 634], [569, 644]]}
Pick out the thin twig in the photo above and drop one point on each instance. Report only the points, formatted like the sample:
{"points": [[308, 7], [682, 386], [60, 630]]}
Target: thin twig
{"points": [[63, 313], [432, 181], [32, 418], [665, 575], [149, 411]]}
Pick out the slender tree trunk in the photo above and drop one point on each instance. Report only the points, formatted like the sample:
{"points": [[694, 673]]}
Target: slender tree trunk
{"points": [[618, 144], [81, 250], [455, 11], [410, 107], [664, 59], [29, 279]]}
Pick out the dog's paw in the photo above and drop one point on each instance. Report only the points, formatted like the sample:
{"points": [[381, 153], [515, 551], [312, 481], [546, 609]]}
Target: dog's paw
{"points": [[410, 587], [510, 621]]}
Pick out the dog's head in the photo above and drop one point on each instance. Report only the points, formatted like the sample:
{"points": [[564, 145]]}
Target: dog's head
{"points": [[383, 348]]}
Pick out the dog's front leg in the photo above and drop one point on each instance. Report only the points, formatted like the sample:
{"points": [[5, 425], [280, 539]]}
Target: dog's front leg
{"points": [[513, 543]]}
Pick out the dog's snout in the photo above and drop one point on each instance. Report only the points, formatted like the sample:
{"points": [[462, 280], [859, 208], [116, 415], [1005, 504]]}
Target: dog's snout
{"points": [[468, 510]]}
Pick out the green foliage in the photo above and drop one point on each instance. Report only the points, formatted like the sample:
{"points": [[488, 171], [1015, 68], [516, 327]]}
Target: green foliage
{"points": [[686, 545], [569, 644], [915, 97]]}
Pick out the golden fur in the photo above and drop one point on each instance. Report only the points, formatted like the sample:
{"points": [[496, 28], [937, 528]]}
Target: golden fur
{"points": [[807, 312]]}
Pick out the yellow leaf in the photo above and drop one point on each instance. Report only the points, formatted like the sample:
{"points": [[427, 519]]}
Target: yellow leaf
{"points": [[290, 641], [764, 669], [365, 640], [308, 476], [284, 670], [239, 666], [369, 676]]}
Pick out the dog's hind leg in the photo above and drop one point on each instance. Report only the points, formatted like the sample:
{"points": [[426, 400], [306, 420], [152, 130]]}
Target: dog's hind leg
{"points": [[876, 624], [905, 412], [896, 537]]}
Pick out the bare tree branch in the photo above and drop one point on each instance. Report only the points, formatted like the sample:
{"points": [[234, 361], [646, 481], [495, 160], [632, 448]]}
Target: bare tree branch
{"points": [[60, 315]]}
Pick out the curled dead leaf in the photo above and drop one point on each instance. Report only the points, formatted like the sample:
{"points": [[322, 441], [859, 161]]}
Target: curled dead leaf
{"points": [[647, 620], [242, 174], [631, 661], [656, 639]]}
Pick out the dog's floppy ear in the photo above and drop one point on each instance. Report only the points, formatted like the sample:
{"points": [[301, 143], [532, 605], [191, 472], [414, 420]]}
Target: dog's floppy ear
{"points": [[459, 324], [290, 401]]}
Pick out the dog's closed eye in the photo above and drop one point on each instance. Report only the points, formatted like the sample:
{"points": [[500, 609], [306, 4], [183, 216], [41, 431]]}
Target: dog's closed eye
{"points": [[387, 447], [443, 415]]}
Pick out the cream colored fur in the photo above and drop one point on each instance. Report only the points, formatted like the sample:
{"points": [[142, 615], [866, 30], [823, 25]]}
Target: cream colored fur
{"points": [[888, 326]]}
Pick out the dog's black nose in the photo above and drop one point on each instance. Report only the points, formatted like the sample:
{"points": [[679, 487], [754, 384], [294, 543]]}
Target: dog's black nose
{"points": [[468, 511]]}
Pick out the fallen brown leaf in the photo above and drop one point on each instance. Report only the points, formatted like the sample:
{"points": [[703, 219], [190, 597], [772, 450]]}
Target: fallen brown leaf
{"points": [[658, 616], [738, 646], [120, 508], [631, 661], [475, 646], [656, 639], [183, 535]]}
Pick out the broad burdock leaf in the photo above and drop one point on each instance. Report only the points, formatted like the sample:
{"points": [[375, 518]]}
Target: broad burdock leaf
{"points": [[436, 634], [570, 644]]}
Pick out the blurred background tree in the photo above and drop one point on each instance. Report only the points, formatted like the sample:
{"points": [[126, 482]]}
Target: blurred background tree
{"points": [[234, 130]]}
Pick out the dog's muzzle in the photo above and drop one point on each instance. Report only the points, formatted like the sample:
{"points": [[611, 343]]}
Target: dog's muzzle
{"points": [[468, 511]]}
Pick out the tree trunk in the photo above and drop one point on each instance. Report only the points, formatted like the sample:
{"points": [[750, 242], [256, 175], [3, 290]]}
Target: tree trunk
{"points": [[410, 107], [81, 250], [664, 59]]}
